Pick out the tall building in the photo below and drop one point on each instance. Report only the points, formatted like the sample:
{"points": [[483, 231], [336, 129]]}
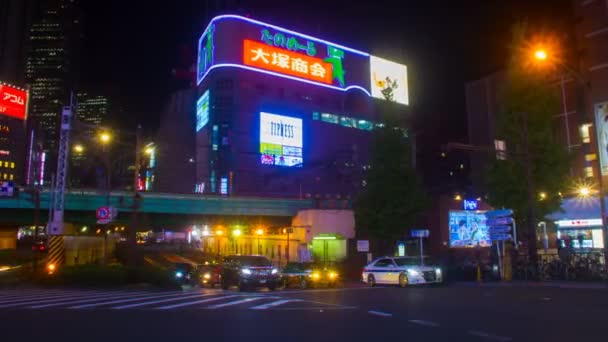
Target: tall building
{"points": [[15, 19], [91, 109], [52, 68], [279, 113]]}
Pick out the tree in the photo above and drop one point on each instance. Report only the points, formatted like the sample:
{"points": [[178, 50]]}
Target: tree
{"points": [[530, 102], [392, 198]]}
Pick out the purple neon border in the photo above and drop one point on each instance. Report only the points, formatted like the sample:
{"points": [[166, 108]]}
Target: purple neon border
{"points": [[272, 73], [256, 22]]}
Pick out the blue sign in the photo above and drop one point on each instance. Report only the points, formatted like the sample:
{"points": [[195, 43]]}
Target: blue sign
{"points": [[469, 204], [500, 221], [499, 229], [500, 237], [420, 233], [499, 213]]}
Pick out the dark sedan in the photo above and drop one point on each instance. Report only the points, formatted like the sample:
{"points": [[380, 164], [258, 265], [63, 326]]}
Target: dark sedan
{"points": [[248, 272]]}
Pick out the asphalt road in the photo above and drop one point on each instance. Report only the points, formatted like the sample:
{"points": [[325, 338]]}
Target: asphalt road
{"points": [[354, 313]]}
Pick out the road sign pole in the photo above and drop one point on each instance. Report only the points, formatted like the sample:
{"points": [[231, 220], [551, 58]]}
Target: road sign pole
{"points": [[421, 255], [516, 243]]}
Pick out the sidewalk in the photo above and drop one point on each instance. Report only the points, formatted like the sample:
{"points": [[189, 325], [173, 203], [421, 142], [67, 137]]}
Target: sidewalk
{"points": [[555, 284]]}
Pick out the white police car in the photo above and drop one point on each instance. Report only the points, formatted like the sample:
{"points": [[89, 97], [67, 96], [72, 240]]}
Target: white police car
{"points": [[400, 271]]}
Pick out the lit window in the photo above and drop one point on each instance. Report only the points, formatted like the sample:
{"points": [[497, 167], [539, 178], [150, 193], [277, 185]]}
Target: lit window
{"points": [[590, 157], [331, 118], [584, 131], [365, 125], [5, 164], [12, 165], [11, 176], [588, 172], [348, 122], [4, 176]]}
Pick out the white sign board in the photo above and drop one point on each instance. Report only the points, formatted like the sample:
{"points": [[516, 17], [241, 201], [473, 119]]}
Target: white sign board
{"points": [[362, 245]]}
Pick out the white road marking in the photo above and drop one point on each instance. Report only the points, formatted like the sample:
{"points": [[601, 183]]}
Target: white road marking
{"points": [[546, 298], [236, 302], [320, 308], [132, 299], [335, 290], [489, 336], [168, 307], [425, 323], [160, 301], [28, 293], [380, 313], [42, 296], [274, 304], [57, 299], [68, 301]]}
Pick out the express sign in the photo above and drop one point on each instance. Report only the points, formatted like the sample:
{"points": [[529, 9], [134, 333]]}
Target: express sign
{"points": [[13, 102]]}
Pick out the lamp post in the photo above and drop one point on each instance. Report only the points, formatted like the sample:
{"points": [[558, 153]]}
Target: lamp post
{"points": [[105, 139], [259, 233], [218, 235], [541, 55], [236, 233]]}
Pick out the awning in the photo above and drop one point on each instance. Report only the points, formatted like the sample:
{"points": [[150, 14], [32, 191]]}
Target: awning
{"points": [[578, 209]]}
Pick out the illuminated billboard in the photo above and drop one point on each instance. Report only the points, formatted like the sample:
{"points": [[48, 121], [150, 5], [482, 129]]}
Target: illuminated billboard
{"points": [[13, 101], [388, 80], [238, 42], [280, 140], [202, 111], [468, 229]]}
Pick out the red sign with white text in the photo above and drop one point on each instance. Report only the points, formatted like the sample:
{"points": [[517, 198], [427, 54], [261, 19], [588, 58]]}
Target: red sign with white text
{"points": [[13, 102], [283, 61]]}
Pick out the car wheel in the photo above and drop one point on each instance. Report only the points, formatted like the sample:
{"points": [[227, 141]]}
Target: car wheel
{"points": [[371, 280], [403, 281], [303, 283]]}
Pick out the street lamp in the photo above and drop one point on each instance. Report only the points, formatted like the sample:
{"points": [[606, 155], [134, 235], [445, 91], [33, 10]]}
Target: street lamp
{"points": [[540, 54], [105, 138], [542, 196], [259, 233], [149, 150], [78, 148]]}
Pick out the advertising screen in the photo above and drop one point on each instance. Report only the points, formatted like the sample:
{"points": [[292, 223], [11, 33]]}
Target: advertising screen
{"points": [[468, 229], [13, 102], [388, 80], [202, 111], [280, 140]]}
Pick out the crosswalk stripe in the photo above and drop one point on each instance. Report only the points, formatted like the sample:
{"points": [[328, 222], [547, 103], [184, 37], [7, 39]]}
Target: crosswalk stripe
{"points": [[236, 302], [114, 295], [195, 302], [38, 299], [64, 300], [126, 300], [159, 301], [30, 294], [274, 304]]}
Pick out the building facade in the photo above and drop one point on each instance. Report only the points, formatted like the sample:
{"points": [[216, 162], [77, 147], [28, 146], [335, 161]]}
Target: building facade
{"points": [[15, 19], [279, 113], [13, 142], [52, 68]]}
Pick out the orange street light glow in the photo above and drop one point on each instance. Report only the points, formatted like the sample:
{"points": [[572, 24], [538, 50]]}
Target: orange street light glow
{"points": [[540, 55]]}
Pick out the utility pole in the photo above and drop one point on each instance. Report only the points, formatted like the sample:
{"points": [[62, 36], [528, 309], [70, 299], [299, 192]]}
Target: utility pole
{"points": [[531, 221], [132, 232]]}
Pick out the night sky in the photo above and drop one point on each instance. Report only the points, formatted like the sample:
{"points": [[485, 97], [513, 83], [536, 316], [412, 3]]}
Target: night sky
{"points": [[131, 46]]}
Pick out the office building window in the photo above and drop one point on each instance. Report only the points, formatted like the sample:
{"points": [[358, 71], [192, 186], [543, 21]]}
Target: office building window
{"points": [[584, 131], [365, 125], [590, 157], [589, 171], [331, 118], [348, 122]]}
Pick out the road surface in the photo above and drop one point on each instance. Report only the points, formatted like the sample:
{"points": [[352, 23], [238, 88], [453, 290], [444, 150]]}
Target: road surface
{"points": [[353, 313]]}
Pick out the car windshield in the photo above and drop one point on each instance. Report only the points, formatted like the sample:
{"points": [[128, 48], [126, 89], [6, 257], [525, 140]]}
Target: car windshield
{"points": [[407, 262], [253, 261]]}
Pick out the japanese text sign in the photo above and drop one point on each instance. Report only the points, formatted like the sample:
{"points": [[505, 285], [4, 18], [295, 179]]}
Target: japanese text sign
{"points": [[13, 102]]}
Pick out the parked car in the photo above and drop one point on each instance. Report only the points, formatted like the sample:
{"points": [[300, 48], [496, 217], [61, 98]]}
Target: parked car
{"points": [[249, 272], [402, 271], [309, 275], [209, 274]]}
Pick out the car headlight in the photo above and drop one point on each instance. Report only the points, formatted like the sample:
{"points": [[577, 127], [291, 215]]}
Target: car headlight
{"points": [[333, 275], [246, 271], [413, 272], [274, 271], [206, 276], [315, 275], [438, 271], [179, 274]]}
